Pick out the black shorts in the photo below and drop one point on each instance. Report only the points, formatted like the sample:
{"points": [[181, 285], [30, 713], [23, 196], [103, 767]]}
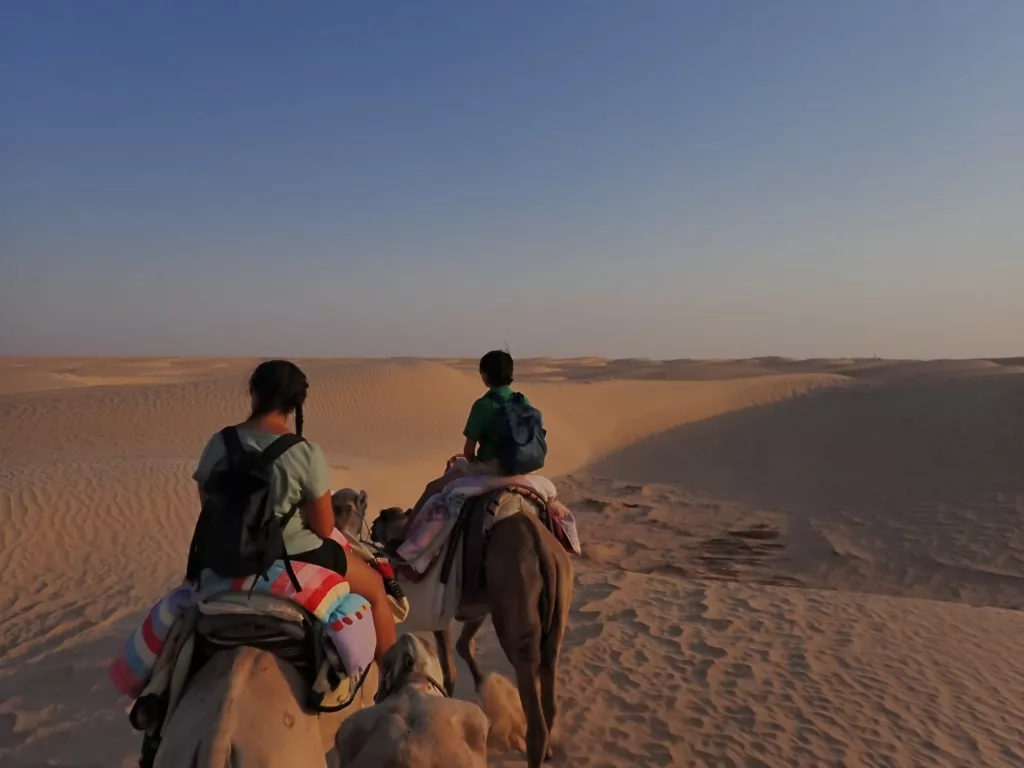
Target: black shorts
{"points": [[330, 555]]}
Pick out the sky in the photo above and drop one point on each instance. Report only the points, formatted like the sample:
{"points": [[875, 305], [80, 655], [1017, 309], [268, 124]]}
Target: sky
{"points": [[656, 178]]}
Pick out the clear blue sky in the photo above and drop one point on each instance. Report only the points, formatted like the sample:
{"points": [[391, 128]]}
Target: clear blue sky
{"points": [[653, 178]]}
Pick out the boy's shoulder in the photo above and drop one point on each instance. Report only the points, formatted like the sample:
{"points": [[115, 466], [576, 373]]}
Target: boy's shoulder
{"points": [[498, 397], [485, 400]]}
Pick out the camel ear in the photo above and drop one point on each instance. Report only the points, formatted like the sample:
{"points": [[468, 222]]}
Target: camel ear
{"points": [[362, 499]]}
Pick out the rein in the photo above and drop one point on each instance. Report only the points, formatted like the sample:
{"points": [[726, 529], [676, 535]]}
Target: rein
{"points": [[390, 687], [427, 679]]}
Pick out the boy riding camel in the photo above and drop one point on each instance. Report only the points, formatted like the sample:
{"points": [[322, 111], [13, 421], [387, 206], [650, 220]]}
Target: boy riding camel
{"points": [[503, 433]]}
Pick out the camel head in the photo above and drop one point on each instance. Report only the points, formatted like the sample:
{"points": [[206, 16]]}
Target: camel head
{"points": [[389, 528], [349, 510], [411, 660]]}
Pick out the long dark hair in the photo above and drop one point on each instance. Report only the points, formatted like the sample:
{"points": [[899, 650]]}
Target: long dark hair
{"points": [[279, 385]]}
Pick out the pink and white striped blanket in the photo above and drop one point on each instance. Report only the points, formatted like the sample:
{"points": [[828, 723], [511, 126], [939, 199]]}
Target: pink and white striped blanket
{"points": [[323, 593]]}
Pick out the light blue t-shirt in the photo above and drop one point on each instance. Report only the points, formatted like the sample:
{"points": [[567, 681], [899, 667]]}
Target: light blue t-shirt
{"points": [[300, 474]]}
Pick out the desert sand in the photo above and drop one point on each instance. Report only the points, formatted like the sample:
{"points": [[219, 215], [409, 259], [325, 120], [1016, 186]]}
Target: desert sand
{"points": [[786, 563]]}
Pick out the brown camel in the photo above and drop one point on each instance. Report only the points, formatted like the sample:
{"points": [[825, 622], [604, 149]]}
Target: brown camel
{"points": [[243, 709], [529, 588]]}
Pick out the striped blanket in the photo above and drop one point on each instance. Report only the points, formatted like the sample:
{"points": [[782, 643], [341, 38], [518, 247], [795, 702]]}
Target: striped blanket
{"points": [[323, 593]]}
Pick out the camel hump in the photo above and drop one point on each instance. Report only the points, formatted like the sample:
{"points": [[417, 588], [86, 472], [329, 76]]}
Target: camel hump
{"points": [[242, 709]]}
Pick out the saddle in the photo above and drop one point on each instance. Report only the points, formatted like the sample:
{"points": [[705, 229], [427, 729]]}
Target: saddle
{"points": [[230, 620], [277, 626], [473, 528]]}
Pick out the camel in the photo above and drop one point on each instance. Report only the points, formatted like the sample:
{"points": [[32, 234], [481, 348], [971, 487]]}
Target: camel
{"points": [[349, 510], [243, 709], [415, 724], [530, 582]]}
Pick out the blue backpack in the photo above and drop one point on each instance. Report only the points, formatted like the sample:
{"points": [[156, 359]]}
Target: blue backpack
{"points": [[522, 440]]}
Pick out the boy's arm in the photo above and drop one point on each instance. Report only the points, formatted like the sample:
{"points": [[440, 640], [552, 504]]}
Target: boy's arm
{"points": [[473, 430]]}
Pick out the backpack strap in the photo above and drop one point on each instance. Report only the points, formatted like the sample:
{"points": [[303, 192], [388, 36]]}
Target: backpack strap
{"points": [[233, 445], [290, 570], [270, 454], [276, 449], [232, 442]]}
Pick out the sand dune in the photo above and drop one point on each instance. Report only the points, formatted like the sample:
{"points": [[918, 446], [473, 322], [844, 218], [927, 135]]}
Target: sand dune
{"points": [[786, 562], [901, 488], [728, 674]]}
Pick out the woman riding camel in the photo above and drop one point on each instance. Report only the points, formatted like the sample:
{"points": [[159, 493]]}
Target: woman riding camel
{"points": [[300, 482]]}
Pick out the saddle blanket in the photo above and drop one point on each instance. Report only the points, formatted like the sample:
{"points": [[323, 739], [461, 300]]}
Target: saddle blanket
{"points": [[434, 524], [323, 593]]}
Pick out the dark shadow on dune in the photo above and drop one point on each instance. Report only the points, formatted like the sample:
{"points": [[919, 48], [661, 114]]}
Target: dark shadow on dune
{"points": [[917, 487], [950, 441], [71, 706]]}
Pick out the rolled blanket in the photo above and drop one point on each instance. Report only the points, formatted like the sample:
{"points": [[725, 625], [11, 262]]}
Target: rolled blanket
{"points": [[567, 523], [131, 668], [323, 593]]}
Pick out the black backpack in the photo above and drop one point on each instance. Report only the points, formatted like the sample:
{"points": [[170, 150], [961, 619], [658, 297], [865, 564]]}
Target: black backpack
{"points": [[521, 438], [238, 534]]}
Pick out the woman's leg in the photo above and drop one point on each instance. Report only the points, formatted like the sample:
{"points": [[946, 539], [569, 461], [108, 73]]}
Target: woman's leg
{"points": [[366, 582], [330, 555], [363, 581]]}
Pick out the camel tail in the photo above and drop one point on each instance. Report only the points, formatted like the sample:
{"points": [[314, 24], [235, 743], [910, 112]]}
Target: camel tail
{"points": [[552, 641], [551, 599]]}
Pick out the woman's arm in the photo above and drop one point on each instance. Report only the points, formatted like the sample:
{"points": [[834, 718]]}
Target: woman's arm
{"points": [[319, 516], [317, 512], [469, 450]]}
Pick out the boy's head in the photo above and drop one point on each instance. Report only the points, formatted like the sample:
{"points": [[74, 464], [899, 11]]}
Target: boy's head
{"points": [[496, 368]]}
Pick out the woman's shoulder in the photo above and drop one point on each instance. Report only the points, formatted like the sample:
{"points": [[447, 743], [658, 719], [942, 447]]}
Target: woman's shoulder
{"points": [[213, 452], [302, 452], [215, 443], [305, 452], [306, 464]]}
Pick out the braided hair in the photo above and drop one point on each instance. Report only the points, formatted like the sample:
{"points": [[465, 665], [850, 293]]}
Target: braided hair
{"points": [[279, 385]]}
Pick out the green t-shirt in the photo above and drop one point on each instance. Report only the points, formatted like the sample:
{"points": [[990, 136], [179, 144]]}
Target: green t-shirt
{"points": [[481, 427], [300, 475]]}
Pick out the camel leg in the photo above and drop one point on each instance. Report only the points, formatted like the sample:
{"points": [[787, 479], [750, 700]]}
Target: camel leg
{"points": [[537, 733], [520, 636], [447, 659], [549, 694], [523, 600], [466, 648]]}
